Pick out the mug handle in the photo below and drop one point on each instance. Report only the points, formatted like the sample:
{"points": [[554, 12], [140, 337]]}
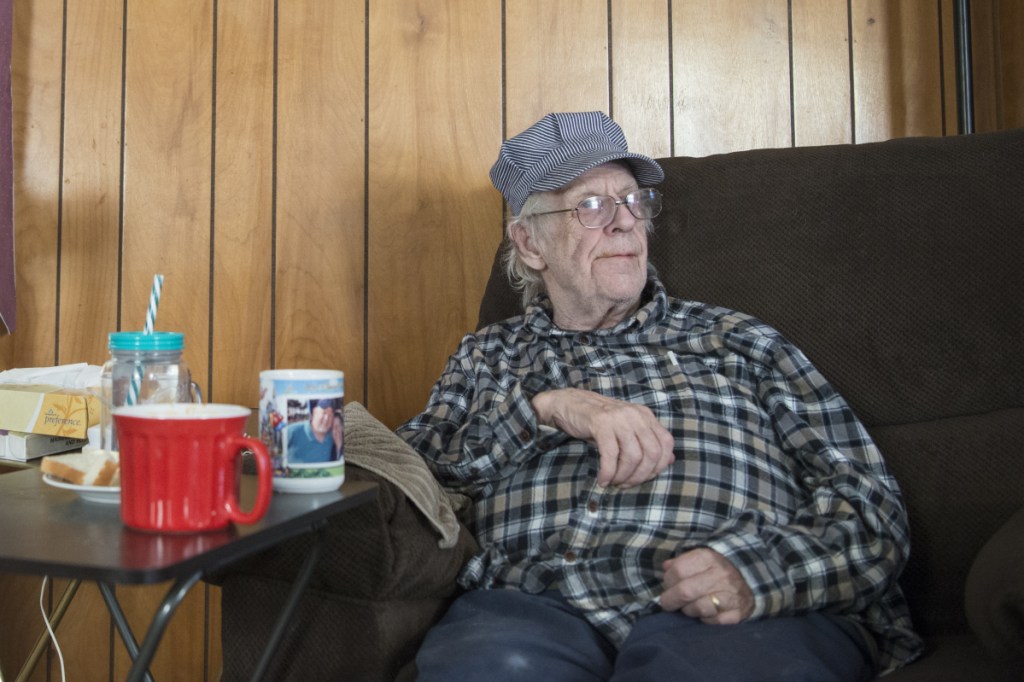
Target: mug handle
{"points": [[231, 447]]}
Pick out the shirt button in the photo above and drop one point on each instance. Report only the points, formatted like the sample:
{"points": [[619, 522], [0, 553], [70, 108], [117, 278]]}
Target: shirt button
{"points": [[584, 338], [592, 508], [570, 557], [524, 435]]}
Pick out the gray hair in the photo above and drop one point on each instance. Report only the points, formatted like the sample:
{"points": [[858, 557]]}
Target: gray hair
{"points": [[521, 276]]}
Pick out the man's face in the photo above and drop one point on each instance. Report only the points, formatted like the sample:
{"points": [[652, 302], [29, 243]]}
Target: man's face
{"points": [[593, 276], [321, 419]]}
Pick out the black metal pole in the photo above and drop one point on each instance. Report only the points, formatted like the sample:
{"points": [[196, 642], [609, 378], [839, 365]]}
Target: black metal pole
{"points": [[964, 80], [298, 587]]}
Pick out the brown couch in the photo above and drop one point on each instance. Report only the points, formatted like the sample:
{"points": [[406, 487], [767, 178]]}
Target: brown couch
{"points": [[898, 267]]}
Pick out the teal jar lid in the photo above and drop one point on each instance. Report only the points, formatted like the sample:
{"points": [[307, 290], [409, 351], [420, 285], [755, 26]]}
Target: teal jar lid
{"points": [[143, 341]]}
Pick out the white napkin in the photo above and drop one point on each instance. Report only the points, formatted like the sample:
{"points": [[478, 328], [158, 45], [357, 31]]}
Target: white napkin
{"points": [[77, 375]]}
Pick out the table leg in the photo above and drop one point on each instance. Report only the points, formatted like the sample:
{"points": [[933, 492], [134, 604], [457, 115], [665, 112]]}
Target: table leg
{"points": [[142, 656], [301, 580], [114, 607], [44, 638]]}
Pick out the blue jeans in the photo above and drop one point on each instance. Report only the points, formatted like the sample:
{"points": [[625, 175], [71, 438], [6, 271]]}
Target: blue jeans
{"points": [[509, 635]]}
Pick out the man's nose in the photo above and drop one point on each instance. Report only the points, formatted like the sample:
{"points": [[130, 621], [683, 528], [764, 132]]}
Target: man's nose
{"points": [[623, 219]]}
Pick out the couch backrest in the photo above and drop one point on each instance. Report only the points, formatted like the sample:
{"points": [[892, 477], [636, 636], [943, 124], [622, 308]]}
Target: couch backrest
{"points": [[898, 267]]}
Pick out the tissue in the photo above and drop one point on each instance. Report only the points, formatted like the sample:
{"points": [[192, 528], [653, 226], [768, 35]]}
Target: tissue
{"points": [[57, 401]]}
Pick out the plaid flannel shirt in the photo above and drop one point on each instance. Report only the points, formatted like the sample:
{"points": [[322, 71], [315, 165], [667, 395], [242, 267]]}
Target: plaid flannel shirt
{"points": [[773, 470]]}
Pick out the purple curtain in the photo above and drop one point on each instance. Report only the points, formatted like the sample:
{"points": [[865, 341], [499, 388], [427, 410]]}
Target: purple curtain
{"points": [[6, 174]]}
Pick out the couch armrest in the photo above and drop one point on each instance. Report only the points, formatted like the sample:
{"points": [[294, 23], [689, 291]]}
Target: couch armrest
{"points": [[380, 551], [380, 584], [994, 593]]}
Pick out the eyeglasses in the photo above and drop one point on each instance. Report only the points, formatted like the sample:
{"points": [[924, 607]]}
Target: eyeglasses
{"points": [[599, 211]]}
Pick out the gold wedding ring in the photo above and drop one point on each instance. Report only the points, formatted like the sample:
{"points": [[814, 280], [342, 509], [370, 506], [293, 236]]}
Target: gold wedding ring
{"points": [[716, 603]]}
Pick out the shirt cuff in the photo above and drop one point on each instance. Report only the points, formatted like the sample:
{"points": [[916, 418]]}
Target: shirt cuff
{"points": [[514, 424], [765, 577]]}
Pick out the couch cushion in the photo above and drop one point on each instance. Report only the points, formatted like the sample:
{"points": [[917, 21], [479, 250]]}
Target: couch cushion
{"points": [[331, 637], [961, 479], [379, 584], [955, 658], [382, 550], [995, 592], [896, 266]]}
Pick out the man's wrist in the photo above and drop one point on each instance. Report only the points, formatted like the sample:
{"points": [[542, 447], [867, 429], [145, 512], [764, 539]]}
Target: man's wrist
{"points": [[541, 404]]}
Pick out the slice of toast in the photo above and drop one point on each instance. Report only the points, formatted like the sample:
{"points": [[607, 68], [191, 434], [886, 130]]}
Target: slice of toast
{"points": [[94, 468]]}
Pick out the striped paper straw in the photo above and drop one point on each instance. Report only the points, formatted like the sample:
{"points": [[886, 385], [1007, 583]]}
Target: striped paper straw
{"points": [[154, 303]]}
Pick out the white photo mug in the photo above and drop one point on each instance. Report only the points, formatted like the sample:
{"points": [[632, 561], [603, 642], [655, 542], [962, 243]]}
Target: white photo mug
{"points": [[302, 424]]}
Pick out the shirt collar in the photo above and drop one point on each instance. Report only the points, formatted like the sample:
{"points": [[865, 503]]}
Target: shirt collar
{"points": [[539, 313]]}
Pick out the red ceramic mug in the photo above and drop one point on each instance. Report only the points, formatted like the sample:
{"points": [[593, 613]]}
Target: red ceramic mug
{"points": [[179, 466]]}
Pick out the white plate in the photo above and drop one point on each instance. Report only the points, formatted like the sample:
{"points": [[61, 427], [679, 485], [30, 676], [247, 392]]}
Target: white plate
{"points": [[105, 494], [283, 484]]}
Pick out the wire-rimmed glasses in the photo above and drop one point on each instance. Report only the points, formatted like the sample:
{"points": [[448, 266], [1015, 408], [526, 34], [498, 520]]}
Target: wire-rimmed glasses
{"points": [[599, 211]]}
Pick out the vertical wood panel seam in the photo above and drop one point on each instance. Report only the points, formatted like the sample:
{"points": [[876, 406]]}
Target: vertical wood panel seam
{"points": [[213, 217], [611, 75], [996, 41], [49, 607], [210, 304], [849, 56], [273, 204], [120, 171], [60, 180], [110, 649], [366, 203], [206, 588], [504, 95], [942, 70], [792, 75], [504, 76], [671, 89]]}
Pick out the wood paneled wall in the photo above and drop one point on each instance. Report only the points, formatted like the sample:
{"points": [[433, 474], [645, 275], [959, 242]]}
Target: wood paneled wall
{"points": [[311, 177]]}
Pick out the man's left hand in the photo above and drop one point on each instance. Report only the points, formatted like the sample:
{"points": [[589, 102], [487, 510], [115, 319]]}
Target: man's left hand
{"points": [[705, 585]]}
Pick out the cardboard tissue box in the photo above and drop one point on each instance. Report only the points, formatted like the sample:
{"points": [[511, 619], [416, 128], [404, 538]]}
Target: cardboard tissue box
{"points": [[50, 410], [55, 401]]}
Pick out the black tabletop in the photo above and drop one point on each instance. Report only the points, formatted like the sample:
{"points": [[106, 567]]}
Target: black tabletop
{"points": [[50, 531]]}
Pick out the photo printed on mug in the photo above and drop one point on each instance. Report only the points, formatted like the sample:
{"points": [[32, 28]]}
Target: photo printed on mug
{"points": [[302, 423]]}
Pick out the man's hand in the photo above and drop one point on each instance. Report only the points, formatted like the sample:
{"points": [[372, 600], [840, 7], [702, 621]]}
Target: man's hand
{"points": [[633, 445], [704, 585]]}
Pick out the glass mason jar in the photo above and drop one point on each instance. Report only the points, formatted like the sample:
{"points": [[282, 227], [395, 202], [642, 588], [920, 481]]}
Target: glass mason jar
{"points": [[143, 368]]}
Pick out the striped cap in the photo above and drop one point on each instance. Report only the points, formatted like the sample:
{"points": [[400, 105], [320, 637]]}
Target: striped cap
{"points": [[559, 148]]}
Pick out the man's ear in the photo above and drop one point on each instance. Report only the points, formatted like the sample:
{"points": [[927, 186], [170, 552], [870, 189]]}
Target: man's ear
{"points": [[527, 246]]}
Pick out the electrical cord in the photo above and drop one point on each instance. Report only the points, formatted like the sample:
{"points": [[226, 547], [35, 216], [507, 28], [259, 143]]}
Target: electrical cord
{"points": [[46, 621]]}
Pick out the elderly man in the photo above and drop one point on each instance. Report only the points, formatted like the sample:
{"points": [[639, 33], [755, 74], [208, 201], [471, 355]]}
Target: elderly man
{"points": [[661, 488]]}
